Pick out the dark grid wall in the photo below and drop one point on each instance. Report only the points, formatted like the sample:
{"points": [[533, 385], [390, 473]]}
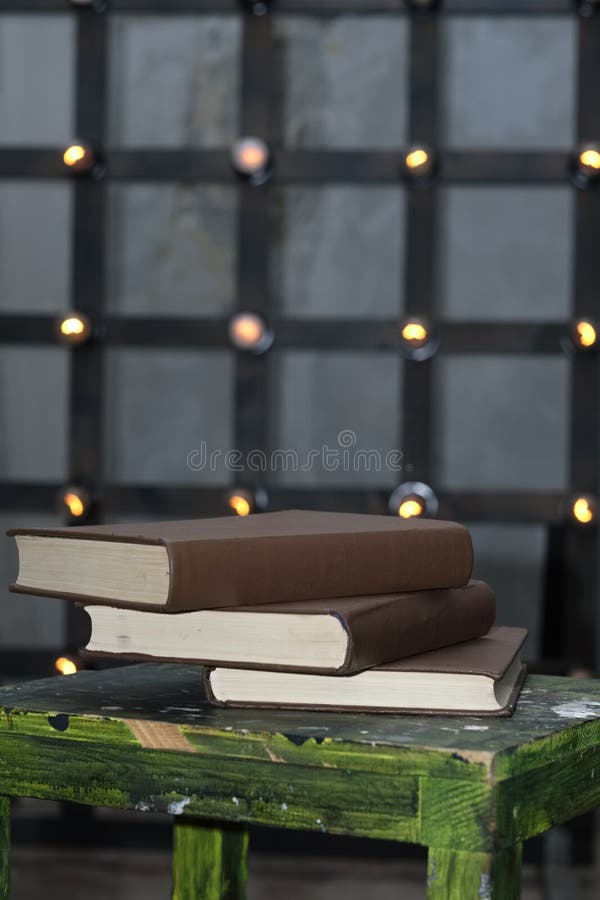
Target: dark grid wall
{"points": [[500, 252]]}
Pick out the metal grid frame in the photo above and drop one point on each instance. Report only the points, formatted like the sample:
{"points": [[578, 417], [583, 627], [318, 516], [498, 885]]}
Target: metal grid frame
{"points": [[580, 547]]}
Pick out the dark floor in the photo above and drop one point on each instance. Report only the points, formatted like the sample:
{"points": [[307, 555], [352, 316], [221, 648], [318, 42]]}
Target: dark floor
{"points": [[54, 873]]}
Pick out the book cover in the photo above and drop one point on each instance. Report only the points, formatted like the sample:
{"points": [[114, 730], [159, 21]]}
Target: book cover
{"points": [[478, 677], [329, 637], [231, 561]]}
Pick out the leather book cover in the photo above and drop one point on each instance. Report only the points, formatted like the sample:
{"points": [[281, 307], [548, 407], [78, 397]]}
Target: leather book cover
{"points": [[378, 629], [490, 655], [287, 556]]}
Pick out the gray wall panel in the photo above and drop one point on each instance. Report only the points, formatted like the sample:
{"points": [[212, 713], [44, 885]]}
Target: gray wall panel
{"points": [[345, 81], [174, 81], [160, 406], [36, 79], [35, 246], [339, 252], [511, 558], [509, 82], [319, 396], [506, 252], [33, 413], [503, 423], [171, 249]]}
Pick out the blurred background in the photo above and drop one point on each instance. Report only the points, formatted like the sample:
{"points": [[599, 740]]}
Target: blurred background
{"points": [[404, 258]]}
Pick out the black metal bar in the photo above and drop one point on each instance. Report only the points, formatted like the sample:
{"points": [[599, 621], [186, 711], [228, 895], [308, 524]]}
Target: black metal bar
{"points": [[29, 496], [88, 280], [317, 334], [581, 634], [161, 500], [27, 329], [253, 287], [300, 7], [298, 166], [420, 254]]}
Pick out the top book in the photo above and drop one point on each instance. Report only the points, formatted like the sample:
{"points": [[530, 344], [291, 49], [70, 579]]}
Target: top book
{"points": [[231, 561]]}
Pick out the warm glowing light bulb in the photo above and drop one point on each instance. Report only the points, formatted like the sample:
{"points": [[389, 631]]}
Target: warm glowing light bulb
{"points": [[251, 157], [239, 505], [414, 331], [582, 511], [74, 154], [75, 504], [417, 158], [249, 331], [419, 340], [411, 499], [72, 325], [80, 158], [65, 666], [590, 158], [586, 334], [418, 162], [75, 328], [410, 508]]}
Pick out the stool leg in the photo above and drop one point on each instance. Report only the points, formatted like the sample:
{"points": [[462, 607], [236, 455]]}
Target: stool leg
{"points": [[209, 861], [4, 848], [460, 875]]}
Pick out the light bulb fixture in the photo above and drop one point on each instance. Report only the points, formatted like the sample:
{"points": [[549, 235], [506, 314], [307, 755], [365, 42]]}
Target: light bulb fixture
{"points": [[80, 158], [251, 159], [64, 665], [76, 501], [419, 164], [245, 501], [585, 334], [583, 509], [419, 340], [74, 328], [586, 165], [413, 499], [248, 331]]}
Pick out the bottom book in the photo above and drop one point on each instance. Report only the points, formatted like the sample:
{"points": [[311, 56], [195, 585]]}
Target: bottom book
{"points": [[478, 677]]}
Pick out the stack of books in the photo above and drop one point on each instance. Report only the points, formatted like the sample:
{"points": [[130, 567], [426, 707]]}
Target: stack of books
{"points": [[292, 609]]}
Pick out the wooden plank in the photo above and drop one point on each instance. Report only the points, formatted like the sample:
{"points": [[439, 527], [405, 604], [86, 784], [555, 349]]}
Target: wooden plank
{"points": [[340, 801], [533, 802], [458, 815], [209, 861], [460, 875]]}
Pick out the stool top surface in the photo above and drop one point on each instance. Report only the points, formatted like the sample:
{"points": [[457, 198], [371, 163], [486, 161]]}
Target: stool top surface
{"points": [[561, 713]]}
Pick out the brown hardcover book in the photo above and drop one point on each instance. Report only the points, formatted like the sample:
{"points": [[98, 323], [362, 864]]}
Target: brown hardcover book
{"points": [[268, 558], [330, 637], [480, 677]]}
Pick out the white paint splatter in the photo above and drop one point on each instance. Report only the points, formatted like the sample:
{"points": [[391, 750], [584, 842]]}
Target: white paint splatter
{"points": [[475, 727], [578, 709], [485, 892], [176, 807], [235, 800]]}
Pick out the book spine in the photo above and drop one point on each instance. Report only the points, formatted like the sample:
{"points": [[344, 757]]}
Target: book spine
{"points": [[211, 574], [417, 622]]}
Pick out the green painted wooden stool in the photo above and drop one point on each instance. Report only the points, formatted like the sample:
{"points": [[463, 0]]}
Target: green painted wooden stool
{"points": [[143, 738]]}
